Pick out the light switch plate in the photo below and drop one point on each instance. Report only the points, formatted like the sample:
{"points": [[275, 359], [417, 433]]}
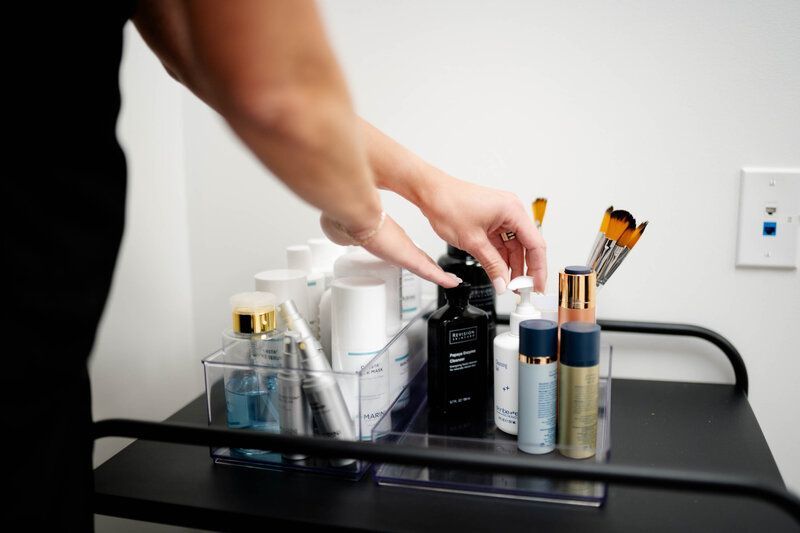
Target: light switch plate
{"points": [[769, 217]]}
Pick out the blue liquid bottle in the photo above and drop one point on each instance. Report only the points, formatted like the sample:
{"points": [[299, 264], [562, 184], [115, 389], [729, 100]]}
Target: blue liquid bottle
{"points": [[253, 349]]}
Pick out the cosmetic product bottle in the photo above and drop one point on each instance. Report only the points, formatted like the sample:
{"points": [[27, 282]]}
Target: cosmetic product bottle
{"points": [[578, 382], [358, 335], [410, 294], [324, 396], [293, 409], [358, 262], [325, 322], [576, 294], [470, 270], [298, 257], [538, 347], [324, 253], [255, 343], [506, 357], [285, 284], [457, 355]]}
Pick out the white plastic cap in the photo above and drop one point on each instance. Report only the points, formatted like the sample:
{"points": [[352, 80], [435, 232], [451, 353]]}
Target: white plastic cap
{"points": [[255, 301], [525, 309], [324, 253], [285, 285], [298, 257]]}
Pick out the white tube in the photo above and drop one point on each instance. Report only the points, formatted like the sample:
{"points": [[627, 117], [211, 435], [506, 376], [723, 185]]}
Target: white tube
{"points": [[358, 334], [359, 262]]}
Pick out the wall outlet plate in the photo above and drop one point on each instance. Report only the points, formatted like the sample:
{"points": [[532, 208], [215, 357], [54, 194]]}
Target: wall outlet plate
{"points": [[769, 218]]}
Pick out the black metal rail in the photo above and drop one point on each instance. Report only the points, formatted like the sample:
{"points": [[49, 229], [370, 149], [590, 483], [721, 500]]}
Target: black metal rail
{"points": [[682, 330], [451, 458]]}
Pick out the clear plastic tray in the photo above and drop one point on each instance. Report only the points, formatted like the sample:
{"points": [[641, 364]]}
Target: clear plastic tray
{"points": [[413, 425], [223, 392]]}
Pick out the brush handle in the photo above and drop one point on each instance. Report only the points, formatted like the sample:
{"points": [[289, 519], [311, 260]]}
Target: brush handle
{"points": [[607, 256], [597, 250], [611, 266]]}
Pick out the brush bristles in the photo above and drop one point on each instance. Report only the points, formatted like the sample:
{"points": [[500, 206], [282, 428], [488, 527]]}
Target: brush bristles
{"points": [[619, 222], [626, 236], [636, 234], [538, 206], [606, 219]]}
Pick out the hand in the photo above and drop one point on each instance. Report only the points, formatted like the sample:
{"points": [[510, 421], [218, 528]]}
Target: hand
{"points": [[392, 244], [472, 217]]}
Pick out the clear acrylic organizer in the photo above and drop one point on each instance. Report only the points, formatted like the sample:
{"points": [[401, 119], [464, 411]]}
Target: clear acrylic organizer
{"points": [[234, 388], [413, 425]]}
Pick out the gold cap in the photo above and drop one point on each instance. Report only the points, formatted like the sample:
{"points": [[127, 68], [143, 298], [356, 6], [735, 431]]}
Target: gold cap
{"points": [[576, 288], [253, 312]]}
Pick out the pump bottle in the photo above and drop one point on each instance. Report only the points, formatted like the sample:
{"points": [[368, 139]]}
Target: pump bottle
{"points": [[506, 357]]}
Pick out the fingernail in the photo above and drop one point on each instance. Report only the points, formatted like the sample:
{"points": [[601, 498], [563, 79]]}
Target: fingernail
{"points": [[499, 285], [455, 278]]}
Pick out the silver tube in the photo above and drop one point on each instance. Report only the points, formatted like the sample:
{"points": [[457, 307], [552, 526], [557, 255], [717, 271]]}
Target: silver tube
{"points": [[321, 389], [293, 410]]}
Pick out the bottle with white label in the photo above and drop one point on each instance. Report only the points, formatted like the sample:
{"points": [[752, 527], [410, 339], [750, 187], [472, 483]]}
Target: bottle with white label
{"points": [[298, 257], [458, 343], [537, 386], [410, 294], [506, 357], [358, 335]]}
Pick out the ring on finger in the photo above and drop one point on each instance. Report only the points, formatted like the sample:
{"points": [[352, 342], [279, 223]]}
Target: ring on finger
{"points": [[508, 236]]}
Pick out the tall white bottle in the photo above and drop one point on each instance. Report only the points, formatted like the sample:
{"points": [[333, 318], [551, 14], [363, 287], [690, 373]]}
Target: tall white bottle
{"points": [[298, 257], [506, 358]]}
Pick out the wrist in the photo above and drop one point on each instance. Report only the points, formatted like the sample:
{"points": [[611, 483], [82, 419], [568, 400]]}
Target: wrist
{"points": [[431, 185], [360, 237]]}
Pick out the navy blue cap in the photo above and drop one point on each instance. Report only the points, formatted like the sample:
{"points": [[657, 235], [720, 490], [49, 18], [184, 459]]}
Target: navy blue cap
{"points": [[580, 344], [538, 337], [577, 269]]}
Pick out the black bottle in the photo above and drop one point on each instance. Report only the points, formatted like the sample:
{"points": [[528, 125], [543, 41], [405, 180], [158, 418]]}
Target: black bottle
{"points": [[470, 270], [458, 343]]}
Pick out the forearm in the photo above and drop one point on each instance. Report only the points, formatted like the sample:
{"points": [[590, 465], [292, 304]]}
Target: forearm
{"points": [[265, 66], [398, 169]]}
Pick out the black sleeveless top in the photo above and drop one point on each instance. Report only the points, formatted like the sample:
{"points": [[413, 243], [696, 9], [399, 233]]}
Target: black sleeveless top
{"points": [[68, 191]]}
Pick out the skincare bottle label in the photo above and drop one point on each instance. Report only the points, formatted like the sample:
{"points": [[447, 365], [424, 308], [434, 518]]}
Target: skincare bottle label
{"points": [[463, 360]]}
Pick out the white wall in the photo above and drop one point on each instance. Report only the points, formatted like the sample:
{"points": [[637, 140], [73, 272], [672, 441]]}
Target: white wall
{"points": [[652, 106]]}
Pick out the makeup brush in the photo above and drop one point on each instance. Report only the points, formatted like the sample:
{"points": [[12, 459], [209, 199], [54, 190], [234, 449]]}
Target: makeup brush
{"points": [[623, 247], [538, 207], [601, 235], [620, 228], [618, 220]]}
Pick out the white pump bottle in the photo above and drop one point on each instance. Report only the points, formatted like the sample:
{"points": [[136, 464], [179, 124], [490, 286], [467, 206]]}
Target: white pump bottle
{"points": [[506, 357]]}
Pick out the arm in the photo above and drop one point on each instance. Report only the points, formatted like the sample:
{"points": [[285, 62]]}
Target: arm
{"points": [[266, 67]]}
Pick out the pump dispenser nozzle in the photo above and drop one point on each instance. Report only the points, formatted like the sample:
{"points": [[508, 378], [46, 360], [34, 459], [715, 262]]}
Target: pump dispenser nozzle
{"points": [[525, 309]]}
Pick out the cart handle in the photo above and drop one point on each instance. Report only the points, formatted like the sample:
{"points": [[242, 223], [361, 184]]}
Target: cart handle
{"points": [[742, 383], [181, 433]]}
